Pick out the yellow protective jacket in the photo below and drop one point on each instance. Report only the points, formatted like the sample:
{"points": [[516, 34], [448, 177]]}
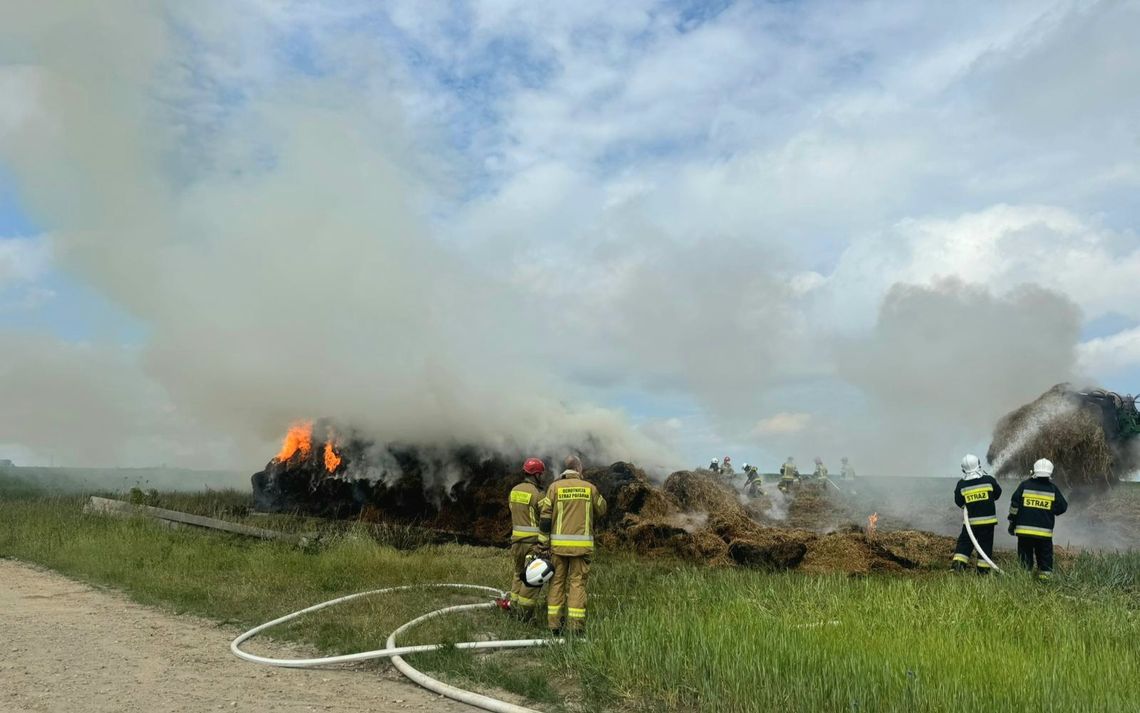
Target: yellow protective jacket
{"points": [[569, 510], [789, 472], [525, 499]]}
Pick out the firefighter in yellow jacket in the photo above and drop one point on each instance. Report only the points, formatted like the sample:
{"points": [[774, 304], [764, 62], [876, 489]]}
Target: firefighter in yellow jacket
{"points": [[524, 504], [571, 507]]}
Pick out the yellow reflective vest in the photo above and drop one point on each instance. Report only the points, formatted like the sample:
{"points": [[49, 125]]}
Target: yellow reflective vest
{"points": [[525, 499], [569, 510]]}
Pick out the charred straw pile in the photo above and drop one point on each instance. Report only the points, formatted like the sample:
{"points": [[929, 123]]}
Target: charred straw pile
{"points": [[697, 517], [462, 492]]}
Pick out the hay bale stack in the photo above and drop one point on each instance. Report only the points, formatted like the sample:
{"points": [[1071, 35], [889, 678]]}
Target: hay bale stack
{"points": [[701, 491], [1062, 427]]}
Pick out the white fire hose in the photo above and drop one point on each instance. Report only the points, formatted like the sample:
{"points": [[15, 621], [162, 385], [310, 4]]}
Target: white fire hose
{"points": [[970, 532], [396, 652]]}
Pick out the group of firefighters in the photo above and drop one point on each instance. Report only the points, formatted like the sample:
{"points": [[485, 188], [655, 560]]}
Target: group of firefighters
{"points": [[552, 531], [1033, 510], [552, 540], [789, 474]]}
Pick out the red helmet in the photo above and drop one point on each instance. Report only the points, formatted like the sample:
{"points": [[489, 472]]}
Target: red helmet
{"points": [[534, 466]]}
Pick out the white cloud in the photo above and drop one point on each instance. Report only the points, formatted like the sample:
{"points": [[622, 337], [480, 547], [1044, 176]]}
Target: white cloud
{"points": [[1001, 247], [1113, 354], [22, 260], [781, 424]]}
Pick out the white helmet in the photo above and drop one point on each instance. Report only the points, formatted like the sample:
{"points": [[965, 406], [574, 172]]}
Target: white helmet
{"points": [[538, 572], [745, 466], [716, 460], [1043, 468], [971, 466]]}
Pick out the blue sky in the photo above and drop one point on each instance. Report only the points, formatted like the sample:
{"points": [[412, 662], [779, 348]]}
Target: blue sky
{"points": [[715, 199]]}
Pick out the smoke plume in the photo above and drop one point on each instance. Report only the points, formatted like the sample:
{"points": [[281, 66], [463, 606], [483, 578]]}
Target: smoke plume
{"points": [[945, 361], [269, 240]]}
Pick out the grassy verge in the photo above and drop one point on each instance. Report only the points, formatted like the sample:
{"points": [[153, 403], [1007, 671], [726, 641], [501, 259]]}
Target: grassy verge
{"points": [[663, 636]]}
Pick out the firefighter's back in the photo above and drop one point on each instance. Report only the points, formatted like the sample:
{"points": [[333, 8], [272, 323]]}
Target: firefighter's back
{"points": [[575, 506]]}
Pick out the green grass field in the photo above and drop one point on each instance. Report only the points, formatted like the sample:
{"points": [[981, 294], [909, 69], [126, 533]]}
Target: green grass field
{"points": [[663, 636]]}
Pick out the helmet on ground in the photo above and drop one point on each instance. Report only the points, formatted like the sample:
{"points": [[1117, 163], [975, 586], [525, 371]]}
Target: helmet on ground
{"points": [[538, 572], [970, 464], [1043, 468], [534, 466]]}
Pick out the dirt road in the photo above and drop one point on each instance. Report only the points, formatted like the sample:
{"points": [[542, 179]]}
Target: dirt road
{"points": [[65, 646]]}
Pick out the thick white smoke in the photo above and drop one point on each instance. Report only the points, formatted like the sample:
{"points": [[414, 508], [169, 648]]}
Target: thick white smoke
{"points": [[944, 362], [270, 245]]}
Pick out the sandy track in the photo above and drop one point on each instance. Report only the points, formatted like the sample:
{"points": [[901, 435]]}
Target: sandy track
{"points": [[65, 646]]}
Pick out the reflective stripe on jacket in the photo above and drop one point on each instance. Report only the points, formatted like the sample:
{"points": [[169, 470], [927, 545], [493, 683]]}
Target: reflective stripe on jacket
{"points": [[1035, 506], [525, 499], [979, 496], [568, 513]]}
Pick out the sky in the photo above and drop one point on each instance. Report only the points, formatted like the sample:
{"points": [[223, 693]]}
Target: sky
{"points": [[754, 228]]}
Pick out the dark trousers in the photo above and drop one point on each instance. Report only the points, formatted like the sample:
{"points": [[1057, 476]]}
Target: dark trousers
{"points": [[985, 535], [1039, 548]]}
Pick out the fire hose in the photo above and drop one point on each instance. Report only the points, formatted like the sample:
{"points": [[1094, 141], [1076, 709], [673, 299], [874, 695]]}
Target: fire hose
{"points": [[397, 652], [970, 532]]}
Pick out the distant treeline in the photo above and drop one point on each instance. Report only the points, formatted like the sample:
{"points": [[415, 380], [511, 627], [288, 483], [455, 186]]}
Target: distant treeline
{"points": [[16, 480]]}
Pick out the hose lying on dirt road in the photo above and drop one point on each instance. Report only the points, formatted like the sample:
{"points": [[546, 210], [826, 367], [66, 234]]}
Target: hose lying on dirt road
{"points": [[396, 652], [970, 532]]}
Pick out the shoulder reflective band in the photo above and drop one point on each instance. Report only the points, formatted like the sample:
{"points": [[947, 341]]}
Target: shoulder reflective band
{"points": [[520, 496], [1027, 531]]}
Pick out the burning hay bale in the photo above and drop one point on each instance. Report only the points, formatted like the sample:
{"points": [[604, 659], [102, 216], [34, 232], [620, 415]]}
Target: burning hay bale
{"points": [[462, 493], [1069, 429]]}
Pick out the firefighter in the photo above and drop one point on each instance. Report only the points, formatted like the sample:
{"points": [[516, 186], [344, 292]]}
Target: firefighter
{"points": [[820, 469], [714, 465], [978, 492], [846, 470], [1032, 513], [571, 507], [525, 511], [726, 470], [788, 475], [753, 483]]}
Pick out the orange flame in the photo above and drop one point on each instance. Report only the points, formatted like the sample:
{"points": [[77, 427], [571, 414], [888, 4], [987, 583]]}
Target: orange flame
{"points": [[872, 521], [332, 460], [299, 438]]}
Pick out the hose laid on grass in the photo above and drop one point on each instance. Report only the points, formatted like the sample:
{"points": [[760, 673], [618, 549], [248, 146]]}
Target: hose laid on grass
{"points": [[970, 532], [396, 652]]}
